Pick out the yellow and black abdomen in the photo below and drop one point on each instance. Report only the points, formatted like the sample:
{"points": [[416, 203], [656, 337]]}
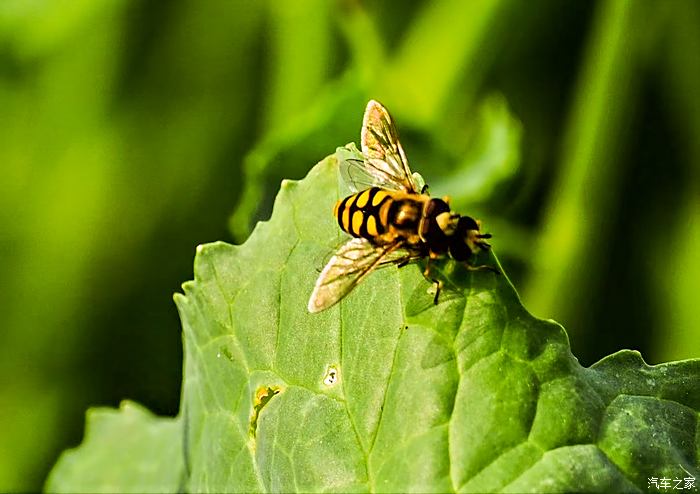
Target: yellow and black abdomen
{"points": [[360, 214]]}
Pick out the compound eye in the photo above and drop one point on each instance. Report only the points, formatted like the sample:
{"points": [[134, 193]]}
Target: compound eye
{"points": [[467, 223]]}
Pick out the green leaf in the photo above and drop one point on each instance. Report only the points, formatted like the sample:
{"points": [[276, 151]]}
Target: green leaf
{"points": [[129, 450], [474, 394], [388, 392]]}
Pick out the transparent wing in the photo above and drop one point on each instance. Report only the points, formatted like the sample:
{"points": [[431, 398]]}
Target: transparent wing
{"points": [[348, 267], [357, 176], [384, 155], [385, 164]]}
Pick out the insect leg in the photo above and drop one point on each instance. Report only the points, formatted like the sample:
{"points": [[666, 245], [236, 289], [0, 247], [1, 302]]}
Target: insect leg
{"points": [[401, 261], [438, 283], [406, 260], [438, 287]]}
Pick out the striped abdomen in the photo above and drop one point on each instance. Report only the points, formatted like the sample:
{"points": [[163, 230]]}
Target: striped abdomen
{"points": [[360, 214]]}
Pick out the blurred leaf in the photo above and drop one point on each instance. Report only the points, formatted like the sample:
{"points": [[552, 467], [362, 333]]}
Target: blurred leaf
{"points": [[677, 282], [445, 52], [364, 41], [492, 155], [473, 394], [41, 28], [295, 142], [125, 450], [299, 61], [58, 162], [100, 108], [588, 178], [676, 277]]}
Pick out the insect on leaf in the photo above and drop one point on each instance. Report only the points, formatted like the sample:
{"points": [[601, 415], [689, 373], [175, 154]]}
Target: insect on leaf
{"points": [[473, 394]]}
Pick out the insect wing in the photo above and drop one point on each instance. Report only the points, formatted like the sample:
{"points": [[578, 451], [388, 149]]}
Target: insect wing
{"points": [[357, 176], [353, 261], [384, 156]]}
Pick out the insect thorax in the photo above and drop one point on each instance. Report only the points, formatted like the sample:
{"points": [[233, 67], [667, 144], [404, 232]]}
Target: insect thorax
{"points": [[436, 228], [405, 214]]}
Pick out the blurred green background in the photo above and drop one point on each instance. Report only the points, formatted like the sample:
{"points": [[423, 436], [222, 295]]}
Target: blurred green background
{"points": [[131, 131]]}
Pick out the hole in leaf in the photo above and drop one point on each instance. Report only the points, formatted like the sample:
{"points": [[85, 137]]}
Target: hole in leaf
{"points": [[332, 376], [262, 397]]}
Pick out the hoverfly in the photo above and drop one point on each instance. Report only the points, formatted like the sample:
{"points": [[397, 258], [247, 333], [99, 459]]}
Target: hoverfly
{"points": [[391, 220]]}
